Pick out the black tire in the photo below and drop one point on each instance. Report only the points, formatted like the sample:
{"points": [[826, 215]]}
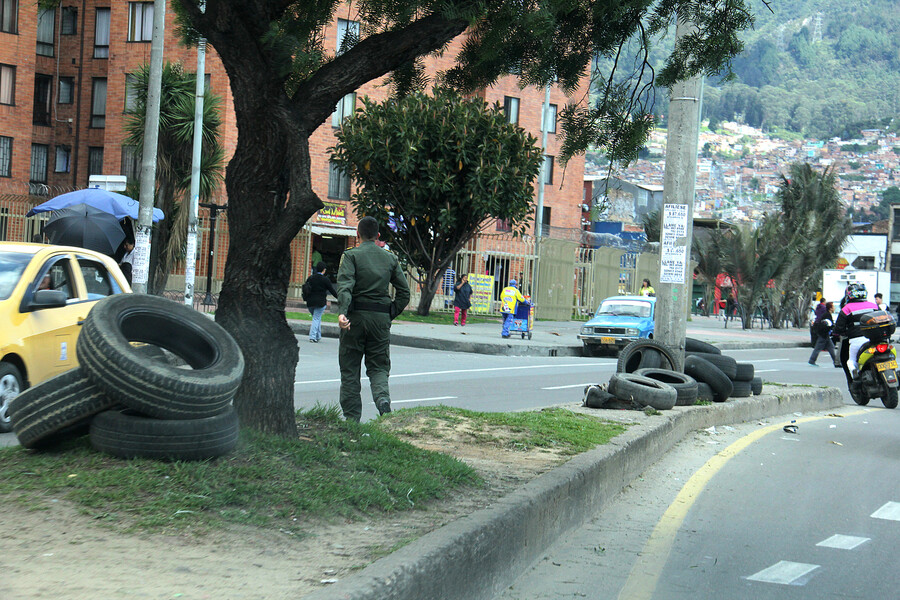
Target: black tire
{"points": [[154, 387], [644, 354], [695, 345], [703, 370], [685, 385], [596, 397], [890, 398], [126, 434], [756, 386], [744, 372], [11, 385], [62, 403], [726, 364], [704, 392], [648, 392], [741, 389]]}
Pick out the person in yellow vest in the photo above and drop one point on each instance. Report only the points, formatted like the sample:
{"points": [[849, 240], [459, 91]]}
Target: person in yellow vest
{"points": [[509, 300], [647, 289]]}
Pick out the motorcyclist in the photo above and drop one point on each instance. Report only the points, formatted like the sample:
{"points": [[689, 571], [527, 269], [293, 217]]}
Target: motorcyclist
{"points": [[847, 326]]}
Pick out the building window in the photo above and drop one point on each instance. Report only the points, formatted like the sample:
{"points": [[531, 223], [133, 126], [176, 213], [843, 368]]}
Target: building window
{"points": [[66, 90], [895, 258], [69, 22], [98, 103], [131, 163], [548, 169], [550, 125], [9, 16], [545, 221], [503, 225], [42, 86], [101, 33], [6, 157], [344, 109], [338, 182], [7, 84], [131, 92], [140, 21], [347, 35], [511, 109], [38, 179], [95, 161], [63, 155], [45, 31]]}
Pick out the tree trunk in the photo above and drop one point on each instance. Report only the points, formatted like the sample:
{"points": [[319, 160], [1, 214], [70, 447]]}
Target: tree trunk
{"points": [[428, 289]]}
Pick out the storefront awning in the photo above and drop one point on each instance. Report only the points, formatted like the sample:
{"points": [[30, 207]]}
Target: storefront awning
{"points": [[322, 229]]}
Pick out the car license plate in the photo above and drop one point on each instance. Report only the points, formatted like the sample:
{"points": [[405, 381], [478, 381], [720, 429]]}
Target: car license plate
{"points": [[607, 340], [884, 366]]}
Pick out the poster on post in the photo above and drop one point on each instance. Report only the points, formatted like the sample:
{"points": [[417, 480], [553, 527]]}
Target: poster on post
{"points": [[672, 249], [482, 292]]}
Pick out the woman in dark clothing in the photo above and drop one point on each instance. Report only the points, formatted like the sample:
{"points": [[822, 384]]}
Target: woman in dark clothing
{"points": [[823, 330], [462, 299], [319, 286]]}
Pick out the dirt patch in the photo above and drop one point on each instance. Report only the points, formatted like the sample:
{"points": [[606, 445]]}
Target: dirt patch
{"points": [[53, 551]]}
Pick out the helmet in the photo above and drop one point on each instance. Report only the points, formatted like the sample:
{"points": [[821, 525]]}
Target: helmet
{"points": [[856, 291]]}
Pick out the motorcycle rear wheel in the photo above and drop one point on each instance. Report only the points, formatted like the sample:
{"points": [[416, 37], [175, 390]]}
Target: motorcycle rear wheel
{"points": [[859, 396], [889, 399]]}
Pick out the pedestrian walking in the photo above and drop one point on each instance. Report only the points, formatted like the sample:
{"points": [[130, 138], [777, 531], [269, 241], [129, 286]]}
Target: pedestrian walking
{"points": [[509, 300], [366, 312], [462, 300], [646, 288], [823, 329], [819, 311], [316, 300]]}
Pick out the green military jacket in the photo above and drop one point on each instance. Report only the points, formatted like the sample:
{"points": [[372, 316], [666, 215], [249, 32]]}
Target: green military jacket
{"points": [[364, 275]]}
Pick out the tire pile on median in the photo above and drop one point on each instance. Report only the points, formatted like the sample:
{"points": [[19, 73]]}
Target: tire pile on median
{"points": [[646, 375], [168, 397]]}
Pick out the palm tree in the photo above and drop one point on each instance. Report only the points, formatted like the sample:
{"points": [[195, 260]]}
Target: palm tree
{"points": [[174, 157]]}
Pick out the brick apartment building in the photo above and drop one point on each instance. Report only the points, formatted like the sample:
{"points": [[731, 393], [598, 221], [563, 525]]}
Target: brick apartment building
{"points": [[64, 89]]}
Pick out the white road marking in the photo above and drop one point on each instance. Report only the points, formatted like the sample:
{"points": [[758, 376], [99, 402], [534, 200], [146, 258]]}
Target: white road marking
{"points": [[766, 360], [890, 511], [843, 542], [592, 365], [766, 370], [425, 399], [790, 439], [565, 387], [784, 572]]}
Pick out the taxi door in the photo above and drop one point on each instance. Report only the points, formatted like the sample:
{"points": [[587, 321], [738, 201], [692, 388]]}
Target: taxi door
{"points": [[54, 330]]}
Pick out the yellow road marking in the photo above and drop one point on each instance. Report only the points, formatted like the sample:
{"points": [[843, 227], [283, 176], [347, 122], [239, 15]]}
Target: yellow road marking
{"points": [[642, 579]]}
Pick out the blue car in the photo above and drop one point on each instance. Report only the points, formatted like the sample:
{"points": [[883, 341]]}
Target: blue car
{"points": [[618, 321]]}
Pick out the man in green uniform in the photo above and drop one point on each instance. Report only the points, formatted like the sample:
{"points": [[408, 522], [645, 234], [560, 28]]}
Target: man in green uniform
{"points": [[366, 311]]}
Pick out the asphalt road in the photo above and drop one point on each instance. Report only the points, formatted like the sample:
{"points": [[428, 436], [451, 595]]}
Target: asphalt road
{"points": [[749, 511]]}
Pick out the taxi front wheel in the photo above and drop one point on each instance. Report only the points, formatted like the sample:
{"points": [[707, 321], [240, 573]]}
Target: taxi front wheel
{"points": [[11, 385]]}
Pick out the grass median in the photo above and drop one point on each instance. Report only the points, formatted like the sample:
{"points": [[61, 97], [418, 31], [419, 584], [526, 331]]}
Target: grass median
{"points": [[334, 469]]}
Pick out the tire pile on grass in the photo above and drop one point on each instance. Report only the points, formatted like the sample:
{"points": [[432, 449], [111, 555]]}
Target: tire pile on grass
{"points": [[167, 397], [647, 375]]}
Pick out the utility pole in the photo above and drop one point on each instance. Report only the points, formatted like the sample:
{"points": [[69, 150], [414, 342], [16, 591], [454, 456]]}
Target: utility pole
{"points": [[539, 210], [190, 266], [675, 277], [148, 160]]}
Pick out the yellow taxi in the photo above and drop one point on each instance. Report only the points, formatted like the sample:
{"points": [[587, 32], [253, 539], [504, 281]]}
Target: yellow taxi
{"points": [[45, 295]]}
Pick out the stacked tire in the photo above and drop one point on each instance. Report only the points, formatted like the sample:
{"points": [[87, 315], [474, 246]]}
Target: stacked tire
{"points": [[647, 375], [726, 377], [156, 381]]}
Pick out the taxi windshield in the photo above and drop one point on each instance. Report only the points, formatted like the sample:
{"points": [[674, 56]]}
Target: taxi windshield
{"points": [[12, 264], [625, 308]]}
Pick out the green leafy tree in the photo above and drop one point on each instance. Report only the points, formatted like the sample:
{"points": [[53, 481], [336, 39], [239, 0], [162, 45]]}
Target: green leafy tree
{"points": [[651, 224], [174, 157], [439, 167], [286, 82], [891, 195]]}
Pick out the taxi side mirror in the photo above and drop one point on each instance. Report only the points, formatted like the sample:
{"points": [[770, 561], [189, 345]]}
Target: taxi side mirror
{"points": [[47, 299]]}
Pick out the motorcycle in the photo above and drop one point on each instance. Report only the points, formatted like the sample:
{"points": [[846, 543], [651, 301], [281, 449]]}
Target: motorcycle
{"points": [[876, 375]]}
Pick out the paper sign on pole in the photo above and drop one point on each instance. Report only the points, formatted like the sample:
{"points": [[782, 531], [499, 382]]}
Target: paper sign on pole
{"points": [[673, 251]]}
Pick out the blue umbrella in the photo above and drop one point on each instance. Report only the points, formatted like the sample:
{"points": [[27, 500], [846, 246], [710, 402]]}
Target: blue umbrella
{"points": [[115, 204]]}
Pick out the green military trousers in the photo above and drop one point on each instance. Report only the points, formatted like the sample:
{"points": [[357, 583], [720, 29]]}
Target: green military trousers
{"points": [[369, 336]]}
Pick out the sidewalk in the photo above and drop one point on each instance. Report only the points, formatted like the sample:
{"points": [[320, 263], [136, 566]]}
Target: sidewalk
{"points": [[558, 338]]}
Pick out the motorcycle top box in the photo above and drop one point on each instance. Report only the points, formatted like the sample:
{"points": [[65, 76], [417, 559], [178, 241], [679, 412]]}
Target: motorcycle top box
{"points": [[877, 324]]}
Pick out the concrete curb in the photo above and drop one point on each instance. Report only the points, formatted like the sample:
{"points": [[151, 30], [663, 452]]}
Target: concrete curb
{"points": [[514, 348], [479, 555]]}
